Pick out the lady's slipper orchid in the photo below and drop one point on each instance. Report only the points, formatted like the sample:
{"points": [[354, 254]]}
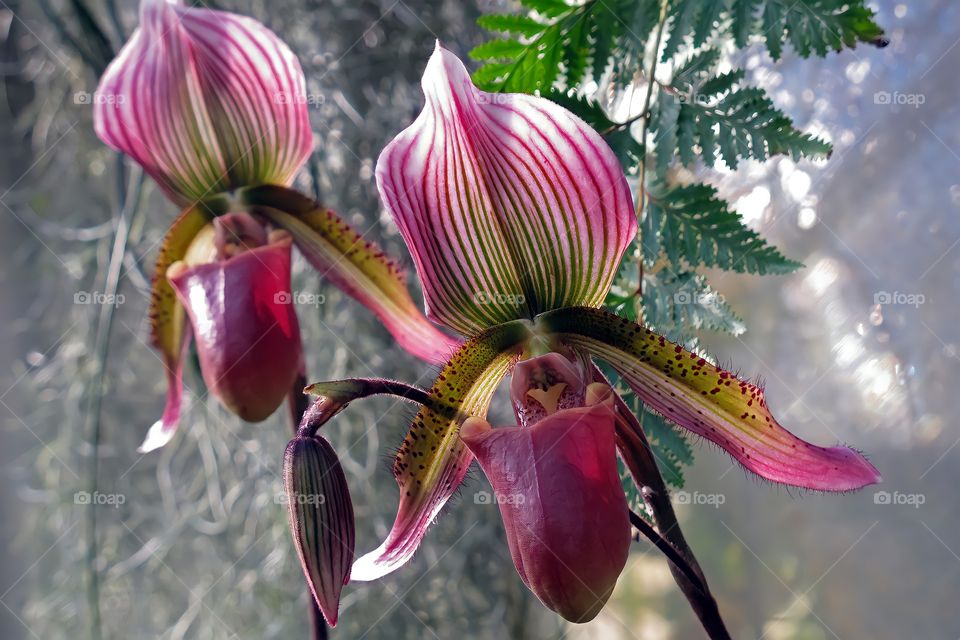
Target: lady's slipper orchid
{"points": [[212, 106], [517, 214]]}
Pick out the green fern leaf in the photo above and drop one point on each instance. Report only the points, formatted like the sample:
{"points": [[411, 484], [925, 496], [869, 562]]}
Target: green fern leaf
{"points": [[639, 20], [694, 227], [716, 116], [663, 123], [500, 49], [670, 447], [564, 41], [547, 8], [491, 73], [744, 21], [605, 31], [811, 27], [675, 301], [508, 23]]}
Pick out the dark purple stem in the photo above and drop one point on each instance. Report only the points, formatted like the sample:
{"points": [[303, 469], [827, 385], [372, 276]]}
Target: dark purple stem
{"points": [[334, 397], [298, 403], [673, 555], [636, 453]]}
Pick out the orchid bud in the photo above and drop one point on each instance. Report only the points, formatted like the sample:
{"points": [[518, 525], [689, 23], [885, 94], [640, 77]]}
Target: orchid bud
{"points": [[205, 101], [321, 519]]}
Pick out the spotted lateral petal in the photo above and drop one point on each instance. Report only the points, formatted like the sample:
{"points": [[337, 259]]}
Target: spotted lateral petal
{"points": [[355, 265], [709, 401], [510, 204], [432, 460], [169, 330], [206, 101]]}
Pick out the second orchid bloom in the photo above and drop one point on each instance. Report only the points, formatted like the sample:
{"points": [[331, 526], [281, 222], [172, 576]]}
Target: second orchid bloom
{"points": [[517, 215]]}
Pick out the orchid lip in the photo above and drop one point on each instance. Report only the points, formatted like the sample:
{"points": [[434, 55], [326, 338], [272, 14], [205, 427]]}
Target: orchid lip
{"points": [[541, 385], [561, 502], [247, 335]]}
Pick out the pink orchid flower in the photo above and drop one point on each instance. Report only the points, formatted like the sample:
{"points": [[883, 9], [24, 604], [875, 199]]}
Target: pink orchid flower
{"points": [[213, 106], [517, 215]]}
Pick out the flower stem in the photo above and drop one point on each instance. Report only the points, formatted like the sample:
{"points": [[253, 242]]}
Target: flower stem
{"points": [[641, 183], [672, 553], [335, 395], [128, 202], [638, 456]]}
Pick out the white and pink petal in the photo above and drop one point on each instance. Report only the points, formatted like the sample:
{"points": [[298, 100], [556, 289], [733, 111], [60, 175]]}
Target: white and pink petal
{"points": [[510, 204], [206, 101]]}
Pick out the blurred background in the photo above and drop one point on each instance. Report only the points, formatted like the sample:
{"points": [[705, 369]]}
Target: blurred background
{"points": [[860, 347]]}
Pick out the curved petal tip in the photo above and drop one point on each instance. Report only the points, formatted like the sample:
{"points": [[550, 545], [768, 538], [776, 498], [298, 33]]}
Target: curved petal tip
{"points": [[158, 435], [852, 470]]}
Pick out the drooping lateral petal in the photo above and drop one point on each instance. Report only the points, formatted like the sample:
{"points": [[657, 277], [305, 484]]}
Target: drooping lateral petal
{"points": [[320, 512], [163, 430], [169, 332], [338, 252], [432, 460], [510, 204], [206, 101], [245, 326], [709, 401]]}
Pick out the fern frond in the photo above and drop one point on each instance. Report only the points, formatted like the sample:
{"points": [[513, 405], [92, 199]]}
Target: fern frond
{"points": [[690, 225]]}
